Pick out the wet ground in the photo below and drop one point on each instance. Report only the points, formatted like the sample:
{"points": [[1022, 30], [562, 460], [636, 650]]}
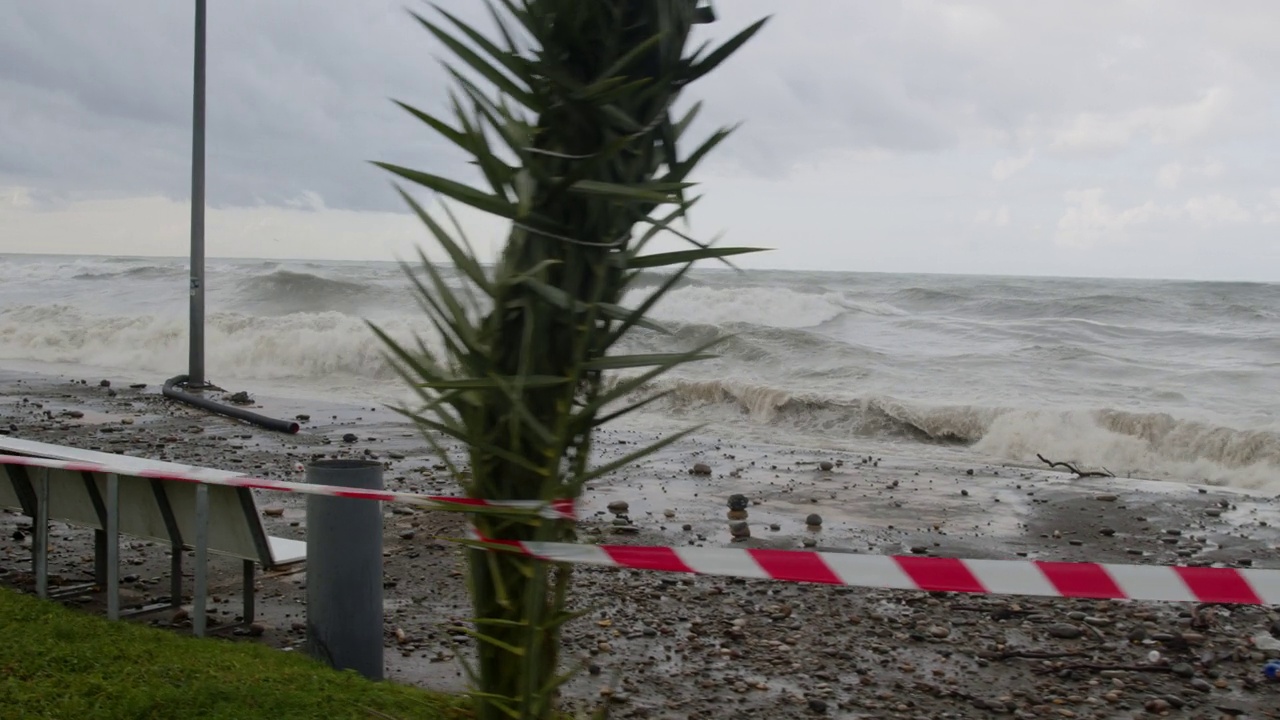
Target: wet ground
{"points": [[683, 646]]}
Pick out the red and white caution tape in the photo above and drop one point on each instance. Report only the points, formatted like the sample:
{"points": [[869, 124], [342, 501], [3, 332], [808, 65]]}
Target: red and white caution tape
{"points": [[557, 509], [994, 577]]}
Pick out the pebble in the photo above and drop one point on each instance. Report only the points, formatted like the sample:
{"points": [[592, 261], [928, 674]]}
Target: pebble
{"points": [[700, 469], [350, 438], [740, 530], [1065, 631], [257, 629], [668, 513], [273, 511], [1183, 670], [940, 632], [813, 520], [738, 501], [619, 507], [1202, 685], [825, 466], [1156, 706], [1105, 498], [407, 535], [817, 706]]}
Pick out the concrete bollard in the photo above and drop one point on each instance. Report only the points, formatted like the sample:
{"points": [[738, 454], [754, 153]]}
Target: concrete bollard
{"points": [[344, 569]]}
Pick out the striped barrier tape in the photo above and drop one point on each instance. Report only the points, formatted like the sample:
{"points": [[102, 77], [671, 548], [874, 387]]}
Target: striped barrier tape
{"points": [[556, 509], [994, 577]]}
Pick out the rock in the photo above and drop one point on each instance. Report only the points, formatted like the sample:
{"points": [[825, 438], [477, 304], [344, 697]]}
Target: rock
{"points": [[940, 632], [1105, 498], [700, 469], [1156, 706], [619, 507], [686, 527], [350, 438], [919, 550], [964, 493], [257, 629], [138, 386], [825, 466], [1065, 631], [668, 513], [1183, 670], [738, 501], [302, 417], [813, 520], [1107, 532], [817, 706], [1201, 685], [273, 511], [809, 542], [179, 615], [737, 514], [74, 414], [775, 527], [407, 534], [740, 530], [104, 383], [298, 626], [240, 398]]}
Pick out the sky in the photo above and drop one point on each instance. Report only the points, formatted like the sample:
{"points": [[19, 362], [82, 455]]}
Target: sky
{"points": [[1127, 138]]}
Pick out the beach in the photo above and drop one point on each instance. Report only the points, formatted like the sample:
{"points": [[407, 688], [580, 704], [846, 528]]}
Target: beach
{"points": [[668, 645]]}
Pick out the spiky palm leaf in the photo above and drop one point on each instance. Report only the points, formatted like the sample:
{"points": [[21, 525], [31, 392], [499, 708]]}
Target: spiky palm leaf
{"points": [[567, 116]]}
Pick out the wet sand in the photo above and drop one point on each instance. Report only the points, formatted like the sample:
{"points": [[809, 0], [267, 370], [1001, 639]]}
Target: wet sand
{"points": [[700, 647]]}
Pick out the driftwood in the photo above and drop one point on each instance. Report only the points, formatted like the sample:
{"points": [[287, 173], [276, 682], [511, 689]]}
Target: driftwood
{"points": [[1028, 654], [1079, 473]]}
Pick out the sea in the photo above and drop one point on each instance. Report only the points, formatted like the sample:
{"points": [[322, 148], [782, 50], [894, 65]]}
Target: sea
{"points": [[1160, 379]]}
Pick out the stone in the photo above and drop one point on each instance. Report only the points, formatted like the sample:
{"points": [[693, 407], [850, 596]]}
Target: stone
{"points": [[825, 466], [104, 383], [257, 629], [738, 501], [740, 530], [1156, 706], [775, 527], [1105, 498], [1201, 685], [700, 469], [273, 511], [668, 513], [940, 632], [407, 534], [809, 542], [1182, 670], [240, 398], [350, 437], [817, 706], [737, 514], [813, 520], [619, 507], [1065, 631]]}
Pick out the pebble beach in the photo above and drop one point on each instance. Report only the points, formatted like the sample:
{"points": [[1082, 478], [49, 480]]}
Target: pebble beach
{"points": [[681, 646]]}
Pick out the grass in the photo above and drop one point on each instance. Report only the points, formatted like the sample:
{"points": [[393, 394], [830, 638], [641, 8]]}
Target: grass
{"points": [[59, 663]]}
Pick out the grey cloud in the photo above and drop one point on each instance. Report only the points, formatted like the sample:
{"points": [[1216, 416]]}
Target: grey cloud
{"points": [[95, 95]]}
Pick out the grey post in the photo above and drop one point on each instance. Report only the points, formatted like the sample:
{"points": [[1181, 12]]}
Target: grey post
{"points": [[199, 601], [113, 546], [195, 369], [40, 539], [344, 569]]}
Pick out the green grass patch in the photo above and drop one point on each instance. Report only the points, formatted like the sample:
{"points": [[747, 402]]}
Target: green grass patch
{"points": [[59, 663]]}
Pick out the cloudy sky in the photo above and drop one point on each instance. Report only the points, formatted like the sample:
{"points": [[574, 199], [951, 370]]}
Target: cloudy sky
{"points": [[1133, 138]]}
